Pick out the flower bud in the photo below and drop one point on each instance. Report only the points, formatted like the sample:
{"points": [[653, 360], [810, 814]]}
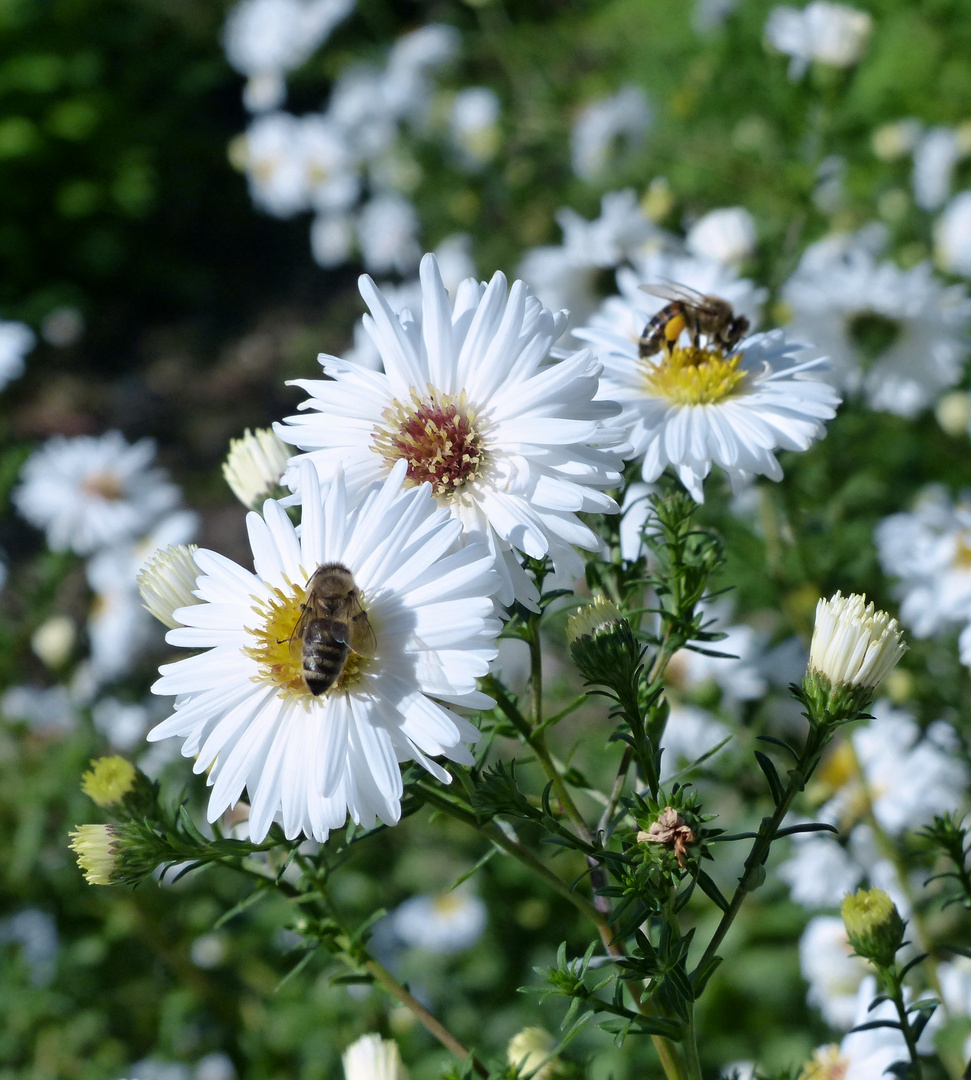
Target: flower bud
{"points": [[254, 466], [854, 647], [873, 925], [601, 642], [166, 582], [527, 1053], [108, 780], [374, 1058], [96, 849]]}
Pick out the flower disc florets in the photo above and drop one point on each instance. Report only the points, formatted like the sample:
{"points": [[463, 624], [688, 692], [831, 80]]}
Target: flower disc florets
{"points": [[438, 435], [690, 375]]}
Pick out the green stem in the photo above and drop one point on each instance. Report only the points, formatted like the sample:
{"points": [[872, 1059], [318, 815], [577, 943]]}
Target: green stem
{"points": [[431, 1023], [753, 872], [692, 1060], [895, 991]]}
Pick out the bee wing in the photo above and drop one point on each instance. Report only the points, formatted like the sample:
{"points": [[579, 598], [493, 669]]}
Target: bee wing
{"points": [[362, 639], [671, 290]]}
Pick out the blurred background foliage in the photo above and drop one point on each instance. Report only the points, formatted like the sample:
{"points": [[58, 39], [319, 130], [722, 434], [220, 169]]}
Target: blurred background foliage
{"points": [[121, 205]]}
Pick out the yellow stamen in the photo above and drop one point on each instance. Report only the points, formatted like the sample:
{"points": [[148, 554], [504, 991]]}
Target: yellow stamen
{"points": [[692, 376]]}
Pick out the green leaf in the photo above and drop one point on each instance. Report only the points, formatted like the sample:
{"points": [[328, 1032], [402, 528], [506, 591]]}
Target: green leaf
{"points": [[775, 784], [711, 890]]}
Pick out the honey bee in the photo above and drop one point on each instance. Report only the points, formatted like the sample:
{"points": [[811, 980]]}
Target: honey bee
{"points": [[690, 310], [332, 624]]}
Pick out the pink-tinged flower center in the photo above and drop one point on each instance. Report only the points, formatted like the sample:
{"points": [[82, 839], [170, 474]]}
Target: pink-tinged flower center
{"points": [[437, 435], [103, 485]]}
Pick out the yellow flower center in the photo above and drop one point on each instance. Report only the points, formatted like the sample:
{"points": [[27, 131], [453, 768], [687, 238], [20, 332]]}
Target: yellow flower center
{"points": [[962, 552], [826, 1064], [692, 376], [437, 435], [278, 646]]}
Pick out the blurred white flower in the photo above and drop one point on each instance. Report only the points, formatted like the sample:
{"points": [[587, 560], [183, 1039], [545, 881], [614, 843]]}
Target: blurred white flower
{"points": [[928, 551], [441, 922], [607, 129], [690, 734], [331, 239], [62, 326], [819, 871], [34, 932], [474, 125], [905, 775], [831, 968], [265, 39], [16, 340], [894, 141], [822, 32], [332, 181], [710, 15], [374, 1058], [387, 234], [952, 236], [935, 157], [93, 491], [271, 151], [123, 723], [45, 710], [406, 86], [897, 336], [565, 276], [726, 235]]}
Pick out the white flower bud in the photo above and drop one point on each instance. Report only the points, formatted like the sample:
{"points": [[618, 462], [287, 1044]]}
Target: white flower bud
{"points": [[853, 643]]}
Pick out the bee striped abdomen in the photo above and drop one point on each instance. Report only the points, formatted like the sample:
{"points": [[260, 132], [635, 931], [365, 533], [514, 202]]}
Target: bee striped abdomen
{"points": [[325, 652]]}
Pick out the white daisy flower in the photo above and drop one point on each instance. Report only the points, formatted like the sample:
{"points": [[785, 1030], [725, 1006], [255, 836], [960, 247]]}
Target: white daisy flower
{"points": [[605, 129], [928, 551], [511, 443], [93, 491], [827, 33], [952, 236], [693, 407], [374, 1058], [440, 922], [16, 340], [474, 126], [727, 235], [245, 708], [897, 336]]}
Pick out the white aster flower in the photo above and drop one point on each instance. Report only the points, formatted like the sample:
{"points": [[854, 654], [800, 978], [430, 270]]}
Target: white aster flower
{"points": [[16, 340], [265, 39], [89, 492], [331, 239], [935, 158], [726, 235], [244, 707], [387, 234], [692, 408], [332, 181], [899, 337], [928, 551], [905, 776], [406, 85], [952, 236], [474, 125], [834, 972], [374, 1058], [820, 871], [690, 733], [607, 129], [441, 922], [853, 642], [468, 398], [827, 33], [271, 152]]}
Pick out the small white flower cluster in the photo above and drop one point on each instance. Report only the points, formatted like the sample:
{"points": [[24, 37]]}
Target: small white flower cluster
{"points": [[101, 497], [607, 130], [16, 341], [348, 164]]}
